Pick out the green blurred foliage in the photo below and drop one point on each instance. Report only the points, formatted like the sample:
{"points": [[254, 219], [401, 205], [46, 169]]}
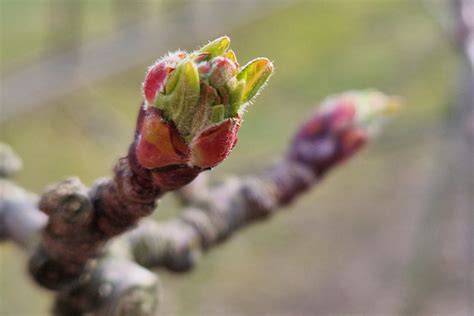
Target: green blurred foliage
{"points": [[33, 29], [301, 261]]}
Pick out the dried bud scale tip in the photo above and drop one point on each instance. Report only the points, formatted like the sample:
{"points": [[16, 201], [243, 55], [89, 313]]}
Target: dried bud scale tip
{"points": [[341, 126], [10, 163], [194, 104]]}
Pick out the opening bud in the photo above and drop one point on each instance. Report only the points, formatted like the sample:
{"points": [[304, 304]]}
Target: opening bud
{"points": [[202, 95]]}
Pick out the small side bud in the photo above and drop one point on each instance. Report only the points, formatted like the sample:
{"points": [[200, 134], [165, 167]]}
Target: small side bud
{"points": [[340, 127], [223, 69]]}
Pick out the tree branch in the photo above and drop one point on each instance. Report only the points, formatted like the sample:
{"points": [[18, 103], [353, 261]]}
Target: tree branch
{"points": [[330, 137], [188, 122], [89, 277], [19, 219]]}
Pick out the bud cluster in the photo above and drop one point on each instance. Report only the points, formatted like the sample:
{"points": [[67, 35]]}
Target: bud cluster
{"points": [[194, 104]]}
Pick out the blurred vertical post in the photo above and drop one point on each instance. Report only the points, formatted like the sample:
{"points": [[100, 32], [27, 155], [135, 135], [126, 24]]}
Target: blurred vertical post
{"points": [[464, 18], [65, 25], [127, 11], [65, 33]]}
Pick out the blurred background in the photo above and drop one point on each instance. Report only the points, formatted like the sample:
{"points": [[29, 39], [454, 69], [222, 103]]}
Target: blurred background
{"points": [[388, 233]]}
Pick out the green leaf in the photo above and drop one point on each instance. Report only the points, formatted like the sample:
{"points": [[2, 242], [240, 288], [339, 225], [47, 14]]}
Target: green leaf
{"points": [[230, 54], [255, 74], [217, 47], [180, 104], [236, 94]]}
